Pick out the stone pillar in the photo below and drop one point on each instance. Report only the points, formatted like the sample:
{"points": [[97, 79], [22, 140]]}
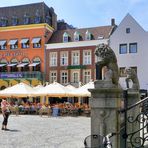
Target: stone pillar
{"points": [[105, 102]]}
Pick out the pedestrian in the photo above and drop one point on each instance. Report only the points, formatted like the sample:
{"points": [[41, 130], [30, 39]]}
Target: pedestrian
{"points": [[5, 112]]}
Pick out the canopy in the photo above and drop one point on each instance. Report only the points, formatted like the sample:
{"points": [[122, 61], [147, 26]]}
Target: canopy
{"points": [[35, 40], [83, 90], [12, 42], [18, 90], [24, 41], [53, 90], [12, 64], [1, 65], [34, 64], [22, 64], [2, 42]]}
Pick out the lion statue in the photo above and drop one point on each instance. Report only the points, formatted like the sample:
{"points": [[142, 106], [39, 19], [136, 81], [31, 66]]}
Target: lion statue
{"points": [[107, 58], [131, 75]]}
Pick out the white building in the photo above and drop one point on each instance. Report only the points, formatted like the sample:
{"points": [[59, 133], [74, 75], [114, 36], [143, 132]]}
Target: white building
{"points": [[130, 43]]}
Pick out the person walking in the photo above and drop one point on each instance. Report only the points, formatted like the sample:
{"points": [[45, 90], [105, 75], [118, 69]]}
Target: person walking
{"points": [[5, 112]]}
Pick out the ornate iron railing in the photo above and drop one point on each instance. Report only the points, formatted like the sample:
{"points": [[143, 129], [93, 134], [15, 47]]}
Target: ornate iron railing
{"points": [[135, 124]]}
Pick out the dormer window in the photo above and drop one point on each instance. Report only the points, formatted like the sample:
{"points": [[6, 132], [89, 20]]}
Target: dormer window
{"points": [[88, 35], [14, 21], [65, 37], [76, 36], [26, 19], [48, 19], [4, 21], [37, 18]]}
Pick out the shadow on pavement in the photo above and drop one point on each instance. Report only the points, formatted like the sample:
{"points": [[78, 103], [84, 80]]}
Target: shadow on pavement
{"points": [[12, 130]]}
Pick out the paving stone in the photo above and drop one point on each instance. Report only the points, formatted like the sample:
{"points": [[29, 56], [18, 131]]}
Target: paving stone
{"points": [[32, 131]]}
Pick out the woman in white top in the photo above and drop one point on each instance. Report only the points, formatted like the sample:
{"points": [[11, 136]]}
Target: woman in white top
{"points": [[5, 111]]}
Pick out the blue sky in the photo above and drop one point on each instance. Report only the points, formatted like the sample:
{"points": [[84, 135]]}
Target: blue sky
{"points": [[91, 13]]}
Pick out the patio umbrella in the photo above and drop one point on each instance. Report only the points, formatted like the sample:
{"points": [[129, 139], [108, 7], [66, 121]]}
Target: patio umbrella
{"points": [[53, 90], [83, 90], [18, 90]]}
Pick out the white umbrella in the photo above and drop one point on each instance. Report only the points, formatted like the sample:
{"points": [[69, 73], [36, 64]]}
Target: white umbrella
{"points": [[53, 90], [83, 90], [38, 87], [18, 90], [70, 87]]}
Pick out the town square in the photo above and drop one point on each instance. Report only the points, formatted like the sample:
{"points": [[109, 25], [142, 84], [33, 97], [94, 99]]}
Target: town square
{"points": [[73, 74]]}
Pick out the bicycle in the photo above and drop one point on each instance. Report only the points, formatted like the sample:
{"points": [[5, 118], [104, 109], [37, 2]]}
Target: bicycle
{"points": [[104, 142]]}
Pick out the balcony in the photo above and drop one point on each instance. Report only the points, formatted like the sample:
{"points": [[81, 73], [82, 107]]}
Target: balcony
{"points": [[22, 75]]}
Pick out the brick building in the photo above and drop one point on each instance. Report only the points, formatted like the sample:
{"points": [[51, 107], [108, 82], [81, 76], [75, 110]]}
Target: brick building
{"points": [[24, 30], [35, 47], [70, 53]]}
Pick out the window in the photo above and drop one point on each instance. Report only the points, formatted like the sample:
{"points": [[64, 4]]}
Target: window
{"points": [[75, 58], [37, 18], [64, 77], [128, 30], [133, 48], [88, 35], [3, 45], [25, 43], [36, 42], [123, 48], [86, 76], [26, 19], [53, 76], [65, 37], [64, 58], [86, 57], [13, 44], [48, 19], [75, 76], [14, 21], [76, 36], [3, 21], [53, 59]]}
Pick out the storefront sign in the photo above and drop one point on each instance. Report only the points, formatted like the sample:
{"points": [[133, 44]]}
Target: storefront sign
{"points": [[11, 75], [13, 54]]}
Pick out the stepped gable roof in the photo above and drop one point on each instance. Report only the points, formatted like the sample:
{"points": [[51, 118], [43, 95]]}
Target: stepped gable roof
{"points": [[102, 31]]}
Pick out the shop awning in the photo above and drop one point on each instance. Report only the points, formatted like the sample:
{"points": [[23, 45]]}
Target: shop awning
{"points": [[34, 64], [12, 42], [12, 64], [2, 42], [22, 64], [24, 40], [36, 40], [1, 65]]}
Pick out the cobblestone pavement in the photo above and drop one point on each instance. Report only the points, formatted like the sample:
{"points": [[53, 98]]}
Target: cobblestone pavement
{"points": [[33, 131]]}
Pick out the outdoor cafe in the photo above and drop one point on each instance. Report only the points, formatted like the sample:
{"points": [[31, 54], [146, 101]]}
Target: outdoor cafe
{"points": [[53, 99]]}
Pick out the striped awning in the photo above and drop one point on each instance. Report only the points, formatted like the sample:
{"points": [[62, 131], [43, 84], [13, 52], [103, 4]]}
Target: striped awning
{"points": [[24, 40], [12, 64], [36, 40], [34, 64], [2, 42], [22, 64], [12, 42], [1, 65]]}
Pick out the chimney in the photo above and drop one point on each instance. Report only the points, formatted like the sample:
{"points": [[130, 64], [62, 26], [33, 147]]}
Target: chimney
{"points": [[113, 22]]}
